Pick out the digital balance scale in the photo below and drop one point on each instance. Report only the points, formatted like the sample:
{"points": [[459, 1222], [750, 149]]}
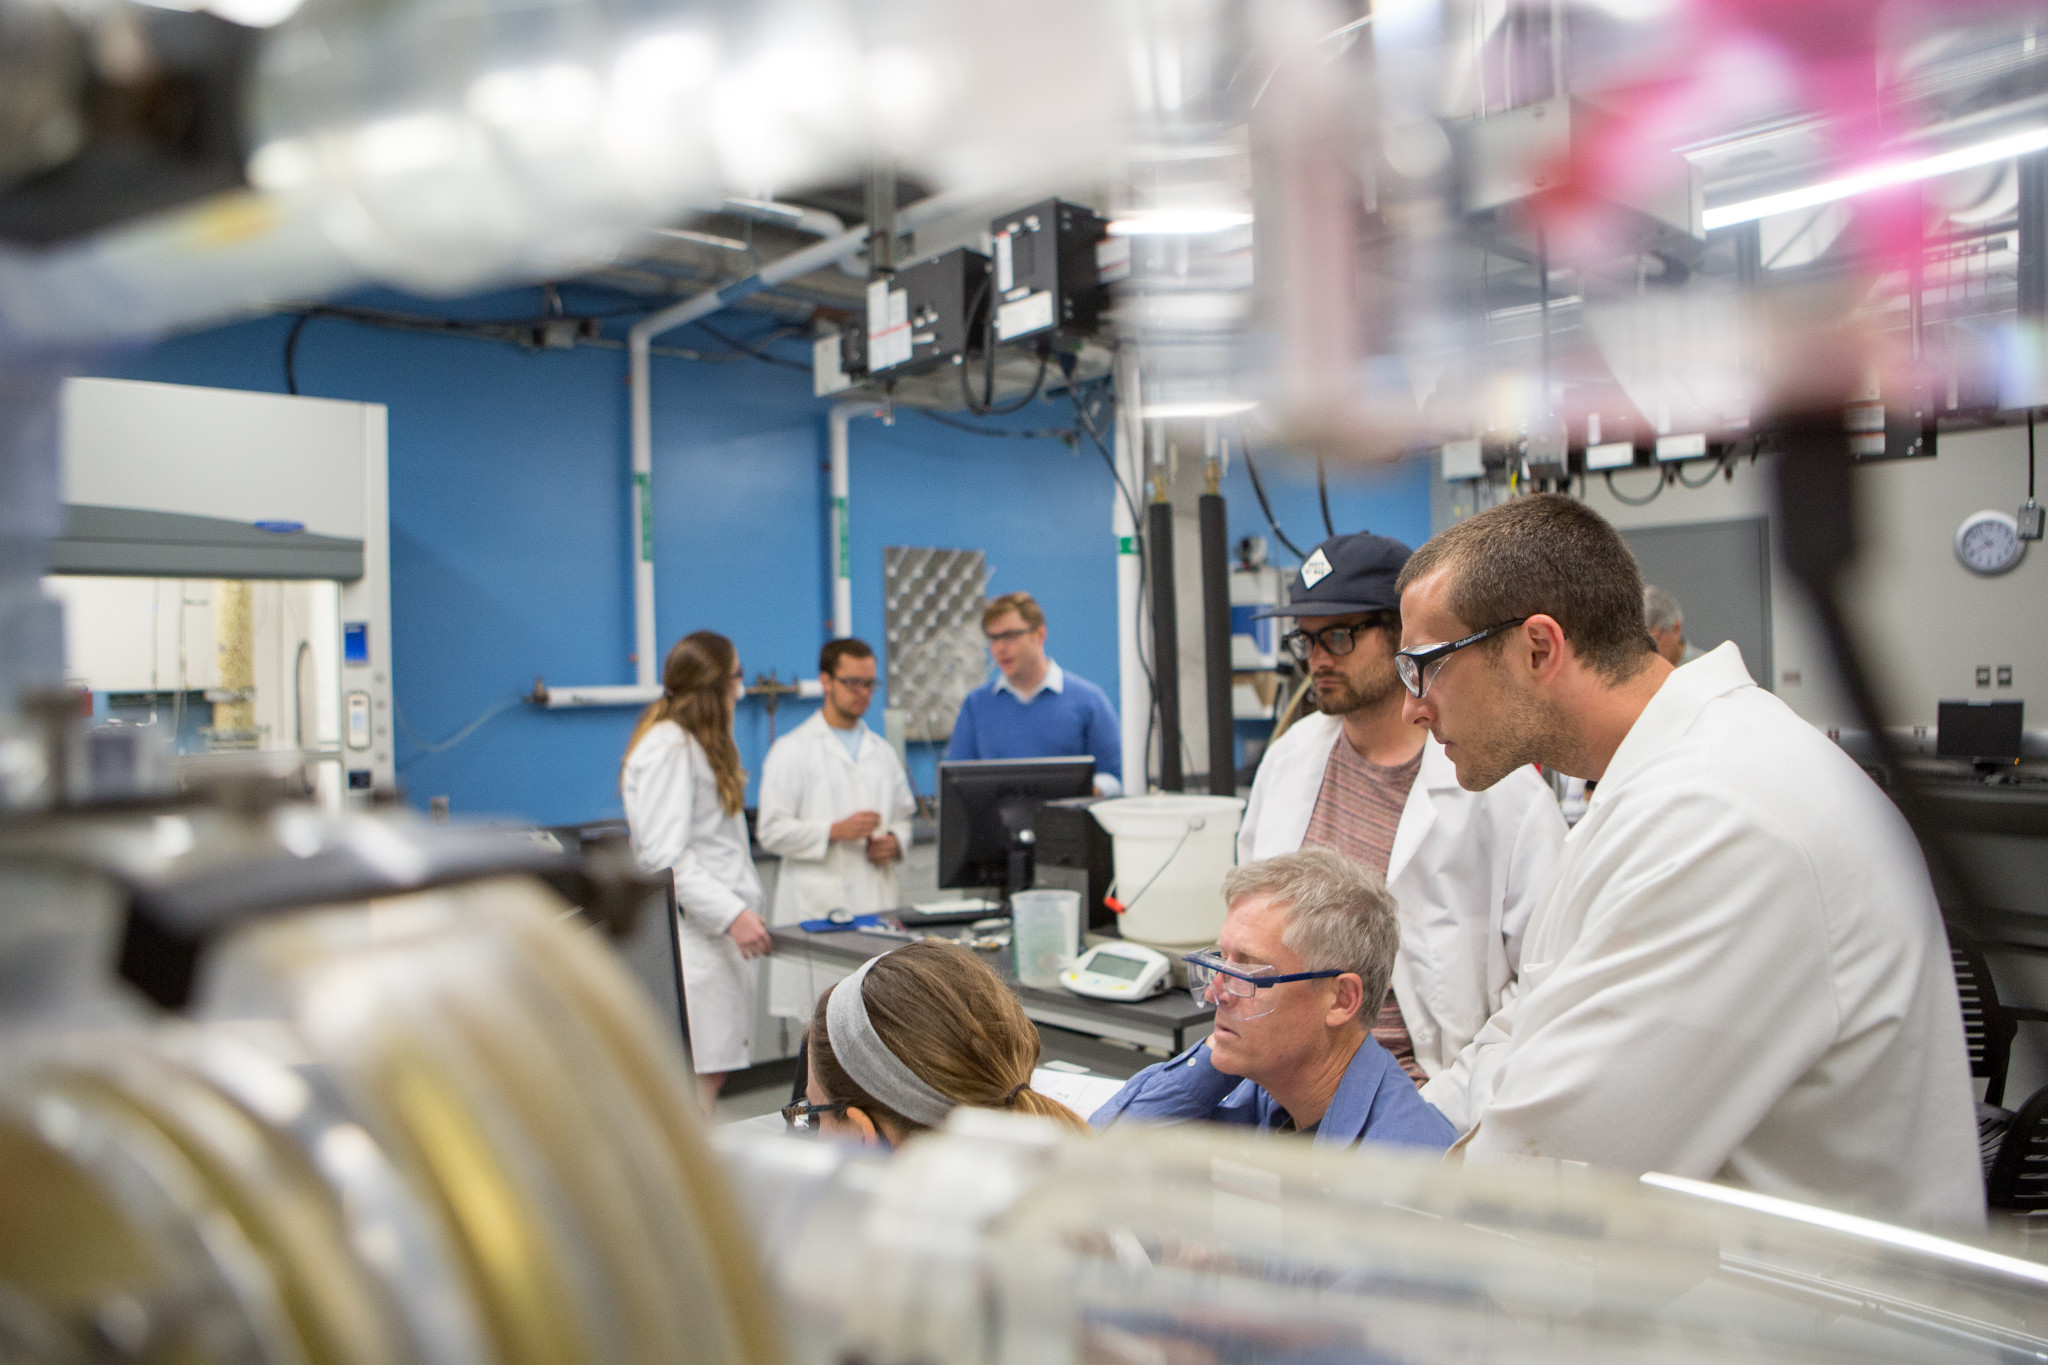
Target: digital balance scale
{"points": [[1118, 971]]}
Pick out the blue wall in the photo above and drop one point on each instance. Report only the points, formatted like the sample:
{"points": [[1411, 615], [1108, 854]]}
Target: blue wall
{"points": [[509, 511]]}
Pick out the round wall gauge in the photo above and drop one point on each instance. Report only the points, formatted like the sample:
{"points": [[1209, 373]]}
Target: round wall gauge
{"points": [[1989, 542]]}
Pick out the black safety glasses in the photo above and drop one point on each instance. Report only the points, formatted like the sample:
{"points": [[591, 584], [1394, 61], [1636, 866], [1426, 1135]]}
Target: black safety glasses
{"points": [[1418, 667]]}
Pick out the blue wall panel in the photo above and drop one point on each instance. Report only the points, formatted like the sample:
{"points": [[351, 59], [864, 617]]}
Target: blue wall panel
{"points": [[510, 552]]}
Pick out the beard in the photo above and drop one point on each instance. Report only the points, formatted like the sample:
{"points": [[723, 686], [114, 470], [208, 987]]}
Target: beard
{"points": [[1352, 695], [1517, 731]]}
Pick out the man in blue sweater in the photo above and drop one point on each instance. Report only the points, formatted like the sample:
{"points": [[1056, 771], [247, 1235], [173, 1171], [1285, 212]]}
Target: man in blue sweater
{"points": [[1309, 940], [1033, 708]]}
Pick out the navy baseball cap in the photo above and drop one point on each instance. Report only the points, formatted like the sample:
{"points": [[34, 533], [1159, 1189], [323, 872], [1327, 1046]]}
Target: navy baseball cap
{"points": [[1345, 574]]}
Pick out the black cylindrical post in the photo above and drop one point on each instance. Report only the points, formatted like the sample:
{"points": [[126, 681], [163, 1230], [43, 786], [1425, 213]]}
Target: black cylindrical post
{"points": [[1216, 646], [1165, 642]]}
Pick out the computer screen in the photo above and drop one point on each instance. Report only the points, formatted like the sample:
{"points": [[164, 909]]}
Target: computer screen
{"points": [[985, 803], [1989, 730]]}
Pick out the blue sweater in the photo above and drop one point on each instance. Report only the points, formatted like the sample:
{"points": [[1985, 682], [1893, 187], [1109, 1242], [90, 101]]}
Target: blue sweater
{"points": [[1065, 724], [1375, 1102]]}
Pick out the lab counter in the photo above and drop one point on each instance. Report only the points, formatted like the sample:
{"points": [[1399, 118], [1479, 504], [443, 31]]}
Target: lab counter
{"points": [[1168, 1022]]}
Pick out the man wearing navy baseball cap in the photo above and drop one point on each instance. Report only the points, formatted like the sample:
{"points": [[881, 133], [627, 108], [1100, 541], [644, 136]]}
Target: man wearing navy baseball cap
{"points": [[1466, 868]]}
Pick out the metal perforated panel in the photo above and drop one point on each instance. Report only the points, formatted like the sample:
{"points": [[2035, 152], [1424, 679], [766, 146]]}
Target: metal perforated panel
{"points": [[936, 655]]}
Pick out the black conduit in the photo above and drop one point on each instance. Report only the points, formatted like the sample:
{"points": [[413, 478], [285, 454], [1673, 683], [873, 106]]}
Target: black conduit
{"points": [[1165, 642], [1216, 645]]}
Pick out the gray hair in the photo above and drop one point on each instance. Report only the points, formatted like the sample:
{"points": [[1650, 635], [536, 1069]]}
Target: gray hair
{"points": [[1660, 609], [1340, 915]]}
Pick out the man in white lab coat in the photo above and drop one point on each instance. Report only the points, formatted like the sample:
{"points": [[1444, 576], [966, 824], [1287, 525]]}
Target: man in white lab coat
{"points": [[1465, 867], [1739, 971], [835, 807]]}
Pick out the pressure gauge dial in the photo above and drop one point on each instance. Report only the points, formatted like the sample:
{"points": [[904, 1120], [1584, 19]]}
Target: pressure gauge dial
{"points": [[1989, 542]]}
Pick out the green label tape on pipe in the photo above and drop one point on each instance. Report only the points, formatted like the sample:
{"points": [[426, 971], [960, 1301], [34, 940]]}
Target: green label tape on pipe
{"points": [[643, 495]]}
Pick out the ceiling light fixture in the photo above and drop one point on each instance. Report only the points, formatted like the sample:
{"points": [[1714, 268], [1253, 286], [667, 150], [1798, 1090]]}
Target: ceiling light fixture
{"points": [[1178, 222], [1887, 175], [1213, 407]]}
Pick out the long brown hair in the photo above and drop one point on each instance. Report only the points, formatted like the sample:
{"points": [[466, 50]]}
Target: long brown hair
{"points": [[951, 1020], [696, 691]]}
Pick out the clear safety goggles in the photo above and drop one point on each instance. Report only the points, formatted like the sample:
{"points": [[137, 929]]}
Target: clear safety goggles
{"points": [[1238, 987]]}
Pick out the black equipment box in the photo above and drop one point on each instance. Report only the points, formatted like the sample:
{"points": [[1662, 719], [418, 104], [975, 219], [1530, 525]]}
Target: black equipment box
{"points": [[928, 313], [1045, 274], [1073, 852]]}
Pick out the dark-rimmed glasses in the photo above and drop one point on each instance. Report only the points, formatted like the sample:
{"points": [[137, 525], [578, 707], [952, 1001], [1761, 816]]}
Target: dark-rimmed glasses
{"points": [[1215, 980], [857, 684], [998, 637], [801, 1116], [1418, 667], [1337, 641]]}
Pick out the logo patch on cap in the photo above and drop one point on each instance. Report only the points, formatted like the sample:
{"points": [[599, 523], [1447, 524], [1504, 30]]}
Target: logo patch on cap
{"points": [[1314, 570]]}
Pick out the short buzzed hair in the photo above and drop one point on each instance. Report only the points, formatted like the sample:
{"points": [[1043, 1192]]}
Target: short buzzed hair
{"points": [[1023, 603], [1660, 609], [846, 647], [1548, 555], [1340, 915]]}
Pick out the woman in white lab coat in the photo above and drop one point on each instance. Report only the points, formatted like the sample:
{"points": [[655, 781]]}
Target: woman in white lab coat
{"points": [[684, 790], [835, 807]]}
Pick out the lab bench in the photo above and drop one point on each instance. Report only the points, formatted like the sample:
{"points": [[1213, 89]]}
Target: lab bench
{"points": [[1167, 1022]]}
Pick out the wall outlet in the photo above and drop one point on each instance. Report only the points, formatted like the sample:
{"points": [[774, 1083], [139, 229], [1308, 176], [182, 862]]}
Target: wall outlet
{"points": [[2005, 675], [1983, 675]]}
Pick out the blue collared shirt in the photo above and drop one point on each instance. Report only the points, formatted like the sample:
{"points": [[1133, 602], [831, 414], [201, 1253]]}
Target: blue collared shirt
{"points": [[1375, 1102], [1066, 716]]}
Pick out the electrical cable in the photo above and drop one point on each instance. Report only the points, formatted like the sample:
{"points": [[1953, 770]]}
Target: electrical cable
{"points": [[1259, 489], [986, 406], [465, 732], [758, 350], [1323, 494], [1678, 474], [1627, 501], [291, 352], [2030, 453]]}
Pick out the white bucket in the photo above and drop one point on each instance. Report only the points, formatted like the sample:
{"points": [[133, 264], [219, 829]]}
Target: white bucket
{"points": [[1171, 854], [1045, 935]]}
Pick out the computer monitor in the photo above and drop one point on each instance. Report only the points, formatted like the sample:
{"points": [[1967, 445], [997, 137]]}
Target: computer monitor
{"points": [[985, 804], [1980, 731]]}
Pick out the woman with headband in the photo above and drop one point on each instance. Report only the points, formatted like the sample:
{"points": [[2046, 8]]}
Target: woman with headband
{"points": [[909, 1037]]}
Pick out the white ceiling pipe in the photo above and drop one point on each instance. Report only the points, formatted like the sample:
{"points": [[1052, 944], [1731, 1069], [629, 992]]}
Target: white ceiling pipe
{"points": [[817, 222], [639, 343]]}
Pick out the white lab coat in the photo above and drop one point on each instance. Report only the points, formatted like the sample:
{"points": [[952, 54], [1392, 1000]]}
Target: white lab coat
{"points": [[809, 784], [1738, 974], [1466, 870], [672, 809]]}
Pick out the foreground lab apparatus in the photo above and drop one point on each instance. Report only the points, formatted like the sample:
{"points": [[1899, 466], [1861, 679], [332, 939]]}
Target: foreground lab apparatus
{"points": [[369, 1091]]}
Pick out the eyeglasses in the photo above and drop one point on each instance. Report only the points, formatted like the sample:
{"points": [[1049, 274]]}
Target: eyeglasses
{"points": [[1338, 640], [1418, 667], [802, 1116], [1214, 980], [1004, 636], [857, 684]]}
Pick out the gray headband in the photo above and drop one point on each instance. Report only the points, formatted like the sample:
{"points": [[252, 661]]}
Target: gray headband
{"points": [[869, 1062]]}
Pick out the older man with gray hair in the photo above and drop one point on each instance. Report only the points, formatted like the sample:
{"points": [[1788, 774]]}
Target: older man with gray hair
{"points": [[1297, 977], [1665, 620]]}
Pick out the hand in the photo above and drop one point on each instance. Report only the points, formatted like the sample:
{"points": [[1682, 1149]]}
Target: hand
{"points": [[750, 934], [859, 825], [884, 849]]}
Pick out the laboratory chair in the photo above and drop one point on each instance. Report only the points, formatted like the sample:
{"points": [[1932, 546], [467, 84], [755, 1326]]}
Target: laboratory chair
{"points": [[1988, 1025]]}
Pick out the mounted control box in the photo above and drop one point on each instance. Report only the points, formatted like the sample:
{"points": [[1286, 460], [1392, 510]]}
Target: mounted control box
{"points": [[927, 313], [839, 360], [1046, 276]]}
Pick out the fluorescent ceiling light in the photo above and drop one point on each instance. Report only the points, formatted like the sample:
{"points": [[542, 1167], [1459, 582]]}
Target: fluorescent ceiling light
{"points": [[1178, 222], [1880, 177], [1213, 407]]}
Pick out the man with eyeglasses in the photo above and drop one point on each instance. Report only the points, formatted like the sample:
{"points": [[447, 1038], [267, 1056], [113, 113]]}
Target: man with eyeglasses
{"points": [[835, 807], [1465, 867], [1738, 972], [1033, 708], [1308, 944]]}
